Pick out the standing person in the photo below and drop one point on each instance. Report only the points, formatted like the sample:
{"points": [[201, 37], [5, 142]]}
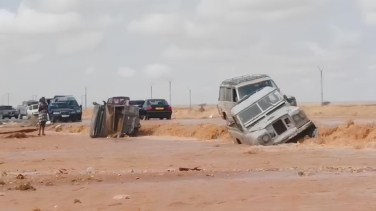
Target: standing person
{"points": [[42, 109]]}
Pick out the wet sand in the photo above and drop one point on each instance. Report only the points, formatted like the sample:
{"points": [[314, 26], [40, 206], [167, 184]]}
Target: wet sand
{"points": [[64, 167], [71, 171]]}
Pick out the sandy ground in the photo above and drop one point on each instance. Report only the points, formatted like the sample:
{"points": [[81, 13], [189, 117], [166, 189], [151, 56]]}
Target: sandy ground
{"points": [[186, 165]]}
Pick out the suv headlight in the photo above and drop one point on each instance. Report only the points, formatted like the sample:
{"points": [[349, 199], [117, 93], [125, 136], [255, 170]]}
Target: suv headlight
{"points": [[296, 117], [299, 116], [78, 111], [56, 112], [265, 138]]}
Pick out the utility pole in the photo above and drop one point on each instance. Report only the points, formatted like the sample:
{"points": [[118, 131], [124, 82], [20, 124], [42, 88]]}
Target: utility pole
{"points": [[169, 81], [322, 90], [151, 92], [85, 98], [34, 97], [190, 99], [82, 99], [8, 97]]}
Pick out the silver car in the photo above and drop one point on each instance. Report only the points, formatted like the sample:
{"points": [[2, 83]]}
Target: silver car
{"points": [[267, 118]]}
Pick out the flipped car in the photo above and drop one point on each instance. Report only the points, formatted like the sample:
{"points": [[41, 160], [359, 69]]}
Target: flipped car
{"points": [[234, 89], [115, 118], [267, 118], [61, 111]]}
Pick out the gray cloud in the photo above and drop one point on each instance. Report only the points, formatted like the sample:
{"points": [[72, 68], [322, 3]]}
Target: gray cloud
{"points": [[117, 47]]}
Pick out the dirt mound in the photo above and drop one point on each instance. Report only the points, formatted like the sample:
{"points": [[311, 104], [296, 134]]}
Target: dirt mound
{"points": [[202, 131], [350, 134], [19, 136], [12, 130]]}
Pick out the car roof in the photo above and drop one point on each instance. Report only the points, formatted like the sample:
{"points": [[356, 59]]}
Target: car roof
{"points": [[244, 78], [251, 99], [119, 97], [156, 99]]}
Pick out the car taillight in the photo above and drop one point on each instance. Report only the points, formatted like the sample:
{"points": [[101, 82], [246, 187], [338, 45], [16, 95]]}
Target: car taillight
{"points": [[170, 108], [150, 108]]}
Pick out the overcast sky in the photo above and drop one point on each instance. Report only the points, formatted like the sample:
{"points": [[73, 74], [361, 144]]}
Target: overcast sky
{"points": [[121, 47]]}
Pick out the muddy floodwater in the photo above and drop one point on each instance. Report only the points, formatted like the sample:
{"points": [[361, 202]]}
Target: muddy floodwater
{"points": [[172, 167]]}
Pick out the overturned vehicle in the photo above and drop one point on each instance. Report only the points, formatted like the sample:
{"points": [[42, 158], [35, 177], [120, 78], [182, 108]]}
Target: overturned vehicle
{"points": [[115, 118], [267, 118]]}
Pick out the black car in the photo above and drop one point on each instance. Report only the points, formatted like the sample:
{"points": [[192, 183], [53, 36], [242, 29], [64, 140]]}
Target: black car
{"points": [[157, 108], [72, 104], [139, 104], [61, 111]]}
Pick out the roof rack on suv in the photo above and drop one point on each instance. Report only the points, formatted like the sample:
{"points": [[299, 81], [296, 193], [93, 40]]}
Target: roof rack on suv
{"points": [[243, 78]]}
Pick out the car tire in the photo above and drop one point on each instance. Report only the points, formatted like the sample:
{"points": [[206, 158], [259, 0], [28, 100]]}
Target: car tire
{"points": [[168, 118], [135, 132]]}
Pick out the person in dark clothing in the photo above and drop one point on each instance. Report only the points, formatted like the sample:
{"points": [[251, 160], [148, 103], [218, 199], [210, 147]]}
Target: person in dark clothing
{"points": [[42, 109]]}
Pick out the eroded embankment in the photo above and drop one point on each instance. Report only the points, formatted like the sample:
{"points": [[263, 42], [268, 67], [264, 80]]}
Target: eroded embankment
{"points": [[350, 134]]}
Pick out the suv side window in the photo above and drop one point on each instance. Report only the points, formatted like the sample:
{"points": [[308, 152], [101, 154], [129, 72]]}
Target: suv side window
{"points": [[228, 96], [222, 94]]}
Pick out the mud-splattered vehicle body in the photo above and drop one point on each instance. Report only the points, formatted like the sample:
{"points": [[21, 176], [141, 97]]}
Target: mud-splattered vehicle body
{"points": [[115, 118], [267, 118]]}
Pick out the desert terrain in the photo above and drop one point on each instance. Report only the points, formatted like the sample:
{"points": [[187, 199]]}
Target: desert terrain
{"points": [[190, 163]]}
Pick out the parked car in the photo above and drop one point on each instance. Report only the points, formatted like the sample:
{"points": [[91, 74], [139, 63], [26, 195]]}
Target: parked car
{"points": [[116, 118], [139, 104], [72, 104], [22, 109], [234, 89], [267, 118], [61, 111], [157, 108], [32, 110], [7, 111]]}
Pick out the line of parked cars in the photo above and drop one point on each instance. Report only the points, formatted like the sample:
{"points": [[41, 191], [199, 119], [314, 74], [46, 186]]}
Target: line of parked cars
{"points": [[60, 108]]}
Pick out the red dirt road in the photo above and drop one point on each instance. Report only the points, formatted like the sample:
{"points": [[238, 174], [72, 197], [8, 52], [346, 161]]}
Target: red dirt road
{"points": [[63, 168]]}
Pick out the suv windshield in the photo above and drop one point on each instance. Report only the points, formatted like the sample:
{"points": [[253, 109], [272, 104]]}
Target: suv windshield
{"points": [[253, 88], [259, 107], [35, 107], [157, 102], [59, 105]]}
